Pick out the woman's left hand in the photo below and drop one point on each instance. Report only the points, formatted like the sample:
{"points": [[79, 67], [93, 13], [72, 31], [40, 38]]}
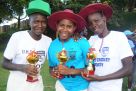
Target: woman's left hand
{"points": [[63, 69], [91, 77]]}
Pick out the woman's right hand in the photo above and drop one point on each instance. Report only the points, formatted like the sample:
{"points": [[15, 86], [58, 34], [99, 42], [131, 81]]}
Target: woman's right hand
{"points": [[30, 70], [55, 73]]}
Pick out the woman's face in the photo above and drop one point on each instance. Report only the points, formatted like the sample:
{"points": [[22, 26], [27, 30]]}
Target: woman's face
{"points": [[38, 23], [97, 23], [65, 29]]}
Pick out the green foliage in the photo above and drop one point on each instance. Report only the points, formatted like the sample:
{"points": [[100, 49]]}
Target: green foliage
{"points": [[4, 37], [123, 21], [11, 8], [55, 5], [5, 11], [75, 6], [130, 18], [68, 4]]}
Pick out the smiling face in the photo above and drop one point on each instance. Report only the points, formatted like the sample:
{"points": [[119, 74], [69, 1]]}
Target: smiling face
{"points": [[65, 29], [38, 24], [97, 23]]}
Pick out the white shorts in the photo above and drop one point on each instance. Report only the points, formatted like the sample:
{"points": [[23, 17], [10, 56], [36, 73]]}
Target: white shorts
{"points": [[17, 82], [60, 87]]}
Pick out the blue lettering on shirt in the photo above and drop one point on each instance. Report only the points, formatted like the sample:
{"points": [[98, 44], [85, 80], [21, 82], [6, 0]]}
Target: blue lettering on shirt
{"points": [[101, 61]]}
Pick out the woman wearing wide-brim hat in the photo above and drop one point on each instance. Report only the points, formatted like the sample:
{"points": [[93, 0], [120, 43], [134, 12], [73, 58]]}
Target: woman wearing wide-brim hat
{"points": [[114, 55], [66, 23]]}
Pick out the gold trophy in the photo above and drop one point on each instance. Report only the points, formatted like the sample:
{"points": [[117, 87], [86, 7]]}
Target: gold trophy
{"points": [[62, 57], [32, 59], [91, 55]]}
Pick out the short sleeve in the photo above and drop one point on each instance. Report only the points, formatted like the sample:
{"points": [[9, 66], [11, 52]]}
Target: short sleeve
{"points": [[125, 49], [11, 48], [52, 59], [93, 39], [84, 45]]}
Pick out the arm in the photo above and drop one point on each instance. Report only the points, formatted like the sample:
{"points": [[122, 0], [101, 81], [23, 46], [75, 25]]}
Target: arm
{"points": [[28, 69], [69, 71], [124, 71]]}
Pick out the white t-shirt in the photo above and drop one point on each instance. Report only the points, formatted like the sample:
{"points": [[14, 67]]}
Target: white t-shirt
{"points": [[18, 47], [115, 47]]}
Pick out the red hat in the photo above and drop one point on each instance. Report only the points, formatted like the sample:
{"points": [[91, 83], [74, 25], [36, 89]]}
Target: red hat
{"points": [[92, 8], [66, 14]]}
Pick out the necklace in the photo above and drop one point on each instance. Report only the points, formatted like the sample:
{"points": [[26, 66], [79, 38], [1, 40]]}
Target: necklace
{"points": [[101, 45], [94, 42], [102, 41]]}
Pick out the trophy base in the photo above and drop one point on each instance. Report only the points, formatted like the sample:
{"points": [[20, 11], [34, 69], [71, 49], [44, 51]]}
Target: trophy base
{"points": [[60, 76], [89, 73], [31, 78]]}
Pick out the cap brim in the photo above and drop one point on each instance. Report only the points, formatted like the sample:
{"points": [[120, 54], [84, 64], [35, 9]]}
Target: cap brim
{"points": [[31, 11]]}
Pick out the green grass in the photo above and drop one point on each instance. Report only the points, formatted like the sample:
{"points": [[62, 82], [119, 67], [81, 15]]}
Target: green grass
{"points": [[48, 80], [3, 73]]}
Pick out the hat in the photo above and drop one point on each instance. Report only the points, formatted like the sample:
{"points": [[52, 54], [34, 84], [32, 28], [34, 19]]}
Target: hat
{"points": [[92, 8], [66, 14], [38, 6], [128, 32]]}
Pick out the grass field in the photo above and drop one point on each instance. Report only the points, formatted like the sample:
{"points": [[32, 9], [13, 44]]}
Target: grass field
{"points": [[48, 81]]}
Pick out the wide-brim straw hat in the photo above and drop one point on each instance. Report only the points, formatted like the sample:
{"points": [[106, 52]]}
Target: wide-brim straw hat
{"points": [[66, 14], [92, 8]]}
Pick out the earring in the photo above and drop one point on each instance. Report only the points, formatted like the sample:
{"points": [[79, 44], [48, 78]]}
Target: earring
{"points": [[57, 34]]}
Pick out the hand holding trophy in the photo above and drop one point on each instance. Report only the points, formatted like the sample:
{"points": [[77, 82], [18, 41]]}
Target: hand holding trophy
{"points": [[32, 59], [91, 55], [62, 57]]}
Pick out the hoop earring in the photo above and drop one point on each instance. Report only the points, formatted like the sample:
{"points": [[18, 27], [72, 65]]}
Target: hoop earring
{"points": [[57, 34]]}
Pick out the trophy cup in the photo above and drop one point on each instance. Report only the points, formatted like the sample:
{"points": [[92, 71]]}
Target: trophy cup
{"points": [[62, 57], [32, 59], [91, 55]]}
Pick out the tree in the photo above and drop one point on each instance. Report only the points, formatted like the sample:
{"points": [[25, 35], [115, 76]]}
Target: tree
{"points": [[5, 11], [12, 9]]}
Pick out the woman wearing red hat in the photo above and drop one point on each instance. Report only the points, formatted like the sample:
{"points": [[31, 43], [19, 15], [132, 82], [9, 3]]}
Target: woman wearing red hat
{"points": [[114, 55], [67, 57]]}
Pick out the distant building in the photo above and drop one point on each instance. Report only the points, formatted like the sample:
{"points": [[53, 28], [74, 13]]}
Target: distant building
{"points": [[0, 29], [24, 24]]}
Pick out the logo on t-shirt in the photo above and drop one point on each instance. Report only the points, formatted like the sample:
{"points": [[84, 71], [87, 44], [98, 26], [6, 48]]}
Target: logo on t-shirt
{"points": [[41, 55], [72, 55], [104, 51]]}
